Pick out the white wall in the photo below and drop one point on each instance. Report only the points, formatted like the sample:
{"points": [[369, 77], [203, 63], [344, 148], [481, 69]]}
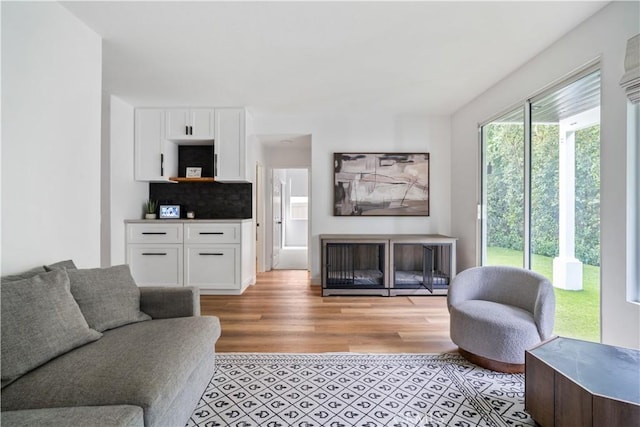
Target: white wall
{"points": [[105, 183], [51, 103], [126, 196], [368, 133], [604, 35]]}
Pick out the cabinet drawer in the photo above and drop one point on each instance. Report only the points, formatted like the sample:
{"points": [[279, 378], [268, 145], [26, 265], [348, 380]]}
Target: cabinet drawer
{"points": [[156, 265], [212, 267], [154, 233], [211, 233]]}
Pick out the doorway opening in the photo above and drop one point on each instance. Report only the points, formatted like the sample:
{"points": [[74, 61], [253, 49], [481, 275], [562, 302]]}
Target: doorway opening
{"points": [[290, 205]]}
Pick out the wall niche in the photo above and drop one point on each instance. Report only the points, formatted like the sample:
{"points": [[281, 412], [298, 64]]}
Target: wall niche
{"points": [[199, 156]]}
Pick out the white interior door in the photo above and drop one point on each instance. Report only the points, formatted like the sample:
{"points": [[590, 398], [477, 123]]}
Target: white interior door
{"points": [[276, 204], [260, 237]]}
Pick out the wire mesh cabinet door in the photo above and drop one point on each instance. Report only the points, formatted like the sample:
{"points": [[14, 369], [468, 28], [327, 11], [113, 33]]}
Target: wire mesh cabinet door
{"points": [[421, 264], [353, 266]]}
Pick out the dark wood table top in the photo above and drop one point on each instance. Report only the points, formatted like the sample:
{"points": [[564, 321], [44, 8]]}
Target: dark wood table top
{"points": [[604, 370]]}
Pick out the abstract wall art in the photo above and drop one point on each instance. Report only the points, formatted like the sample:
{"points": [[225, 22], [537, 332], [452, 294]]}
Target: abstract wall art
{"points": [[381, 184]]}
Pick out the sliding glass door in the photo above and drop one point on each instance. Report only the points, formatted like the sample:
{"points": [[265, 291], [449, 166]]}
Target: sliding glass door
{"points": [[503, 190], [541, 197]]}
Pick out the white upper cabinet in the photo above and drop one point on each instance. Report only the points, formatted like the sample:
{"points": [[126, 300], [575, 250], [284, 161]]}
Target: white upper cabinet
{"points": [[230, 145], [202, 123], [177, 123], [154, 157], [160, 131], [187, 124]]}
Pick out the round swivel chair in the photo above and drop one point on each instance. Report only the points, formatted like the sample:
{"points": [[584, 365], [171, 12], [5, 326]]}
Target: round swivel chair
{"points": [[499, 312]]}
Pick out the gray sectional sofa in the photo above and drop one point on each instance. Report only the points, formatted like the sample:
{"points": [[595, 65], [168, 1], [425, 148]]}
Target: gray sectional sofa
{"points": [[89, 348]]}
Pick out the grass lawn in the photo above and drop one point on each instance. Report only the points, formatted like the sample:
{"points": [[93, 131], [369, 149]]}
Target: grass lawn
{"points": [[577, 312]]}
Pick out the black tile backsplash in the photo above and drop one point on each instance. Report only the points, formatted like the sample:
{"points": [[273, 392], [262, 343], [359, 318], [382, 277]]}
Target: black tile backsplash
{"points": [[209, 200]]}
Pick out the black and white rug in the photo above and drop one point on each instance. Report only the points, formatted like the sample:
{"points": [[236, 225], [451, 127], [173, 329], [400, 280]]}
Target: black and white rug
{"points": [[344, 390]]}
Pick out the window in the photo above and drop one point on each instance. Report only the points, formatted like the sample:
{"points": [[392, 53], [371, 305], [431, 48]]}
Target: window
{"points": [[299, 207]]}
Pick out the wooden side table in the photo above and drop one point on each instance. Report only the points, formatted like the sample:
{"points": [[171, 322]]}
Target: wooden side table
{"points": [[569, 382]]}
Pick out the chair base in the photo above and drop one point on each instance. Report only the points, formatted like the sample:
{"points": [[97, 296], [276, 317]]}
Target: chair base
{"points": [[493, 365]]}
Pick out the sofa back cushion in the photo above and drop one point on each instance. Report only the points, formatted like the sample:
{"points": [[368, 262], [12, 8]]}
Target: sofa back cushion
{"points": [[67, 264], [40, 321], [108, 297], [23, 275]]}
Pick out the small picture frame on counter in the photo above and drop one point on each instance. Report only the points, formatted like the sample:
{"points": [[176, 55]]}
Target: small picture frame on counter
{"points": [[169, 211], [193, 172]]}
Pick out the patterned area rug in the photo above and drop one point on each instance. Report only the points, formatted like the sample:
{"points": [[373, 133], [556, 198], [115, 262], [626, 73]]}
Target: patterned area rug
{"points": [[344, 390]]}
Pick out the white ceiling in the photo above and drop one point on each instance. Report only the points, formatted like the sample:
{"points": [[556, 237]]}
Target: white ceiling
{"points": [[403, 57]]}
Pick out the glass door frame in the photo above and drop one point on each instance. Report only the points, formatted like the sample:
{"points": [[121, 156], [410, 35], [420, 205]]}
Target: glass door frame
{"points": [[483, 188], [589, 68]]}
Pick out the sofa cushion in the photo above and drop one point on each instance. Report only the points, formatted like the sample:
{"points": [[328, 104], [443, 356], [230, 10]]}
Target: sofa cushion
{"points": [[108, 297], [61, 265], [40, 320], [78, 416], [145, 364], [24, 275]]}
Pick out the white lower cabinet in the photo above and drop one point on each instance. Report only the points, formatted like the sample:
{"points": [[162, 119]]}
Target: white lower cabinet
{"points": [[155, 264], [212, 266], [214, 256]]}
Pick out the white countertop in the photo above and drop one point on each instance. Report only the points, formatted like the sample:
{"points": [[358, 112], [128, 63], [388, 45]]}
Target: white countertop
{"points": [[186, 220]]}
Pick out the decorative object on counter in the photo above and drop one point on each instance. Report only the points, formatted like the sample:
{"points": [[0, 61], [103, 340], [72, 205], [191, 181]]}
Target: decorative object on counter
{"points": [[150, 207], [193, 172], [381, 184], [191, 214], [169, 211]]}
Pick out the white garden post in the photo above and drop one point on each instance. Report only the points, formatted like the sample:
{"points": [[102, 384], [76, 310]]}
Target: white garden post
{"points": [[567, 269]]}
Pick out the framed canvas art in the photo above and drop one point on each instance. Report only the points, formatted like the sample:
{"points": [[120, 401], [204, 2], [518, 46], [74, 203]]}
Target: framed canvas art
{"points": [[381, 184]]}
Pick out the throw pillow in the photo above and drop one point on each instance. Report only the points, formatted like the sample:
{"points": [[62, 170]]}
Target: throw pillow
{"points": [[61, 265], [40, 321], [24, 275], [108, 297]]}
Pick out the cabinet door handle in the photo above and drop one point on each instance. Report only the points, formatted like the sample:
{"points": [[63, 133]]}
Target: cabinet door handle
{"points": [[186, 130], [215, 163], [212, 253], [154, 232], [161, 164], [190, 130], [154, 253], [212, 232]]}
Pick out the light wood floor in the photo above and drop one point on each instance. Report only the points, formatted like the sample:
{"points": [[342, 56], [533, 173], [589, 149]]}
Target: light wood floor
{"points": [[282, 312]]}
